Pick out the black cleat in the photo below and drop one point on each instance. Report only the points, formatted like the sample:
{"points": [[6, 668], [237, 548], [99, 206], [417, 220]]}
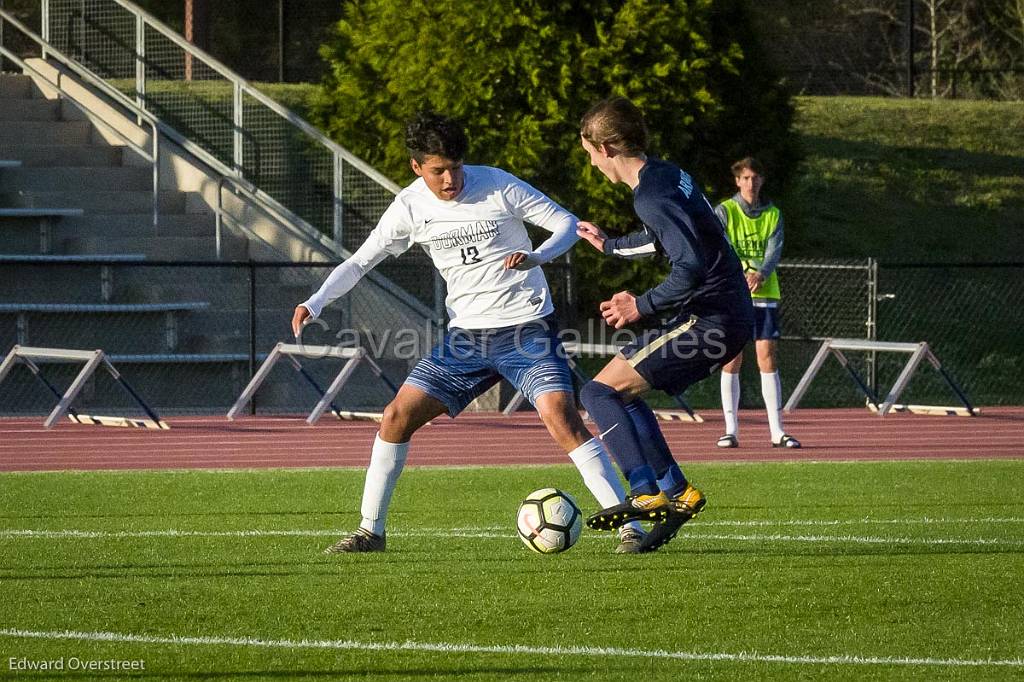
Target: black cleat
{"points": [[360, 541], [635, 508]]}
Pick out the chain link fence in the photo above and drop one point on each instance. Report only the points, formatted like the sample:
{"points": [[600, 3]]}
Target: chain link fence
{"points": [[820, 299], [970, 315], [189, 336]]}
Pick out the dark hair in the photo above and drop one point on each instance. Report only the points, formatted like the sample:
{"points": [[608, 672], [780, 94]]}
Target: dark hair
{"points": [[618, 123], [747, 162], [430, 134]]}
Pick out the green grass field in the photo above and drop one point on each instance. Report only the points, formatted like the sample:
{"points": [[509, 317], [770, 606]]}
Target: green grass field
{"points": [[901, 570]]}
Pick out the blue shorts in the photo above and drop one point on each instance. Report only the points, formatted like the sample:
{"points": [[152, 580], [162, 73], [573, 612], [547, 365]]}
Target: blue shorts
{"points": [[766, 323], [467, 362], [683, 351]]}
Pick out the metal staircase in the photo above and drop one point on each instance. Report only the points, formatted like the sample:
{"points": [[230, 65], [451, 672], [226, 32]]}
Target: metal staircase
{"points": [[120, 142]]}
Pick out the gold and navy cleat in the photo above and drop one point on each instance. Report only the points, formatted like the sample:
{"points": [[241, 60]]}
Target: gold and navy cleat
{"points": [[635, 508], [684, 507]]}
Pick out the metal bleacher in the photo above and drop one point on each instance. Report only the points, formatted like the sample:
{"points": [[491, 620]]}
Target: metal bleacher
{"points": [[118, 180]]}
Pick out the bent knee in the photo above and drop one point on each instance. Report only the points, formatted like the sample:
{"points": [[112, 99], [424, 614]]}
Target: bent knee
{"points": [[594, 392], [396, 422]]}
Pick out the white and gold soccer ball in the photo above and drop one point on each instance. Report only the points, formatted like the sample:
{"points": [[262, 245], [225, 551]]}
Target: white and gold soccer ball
{"points": [[549, 521]]}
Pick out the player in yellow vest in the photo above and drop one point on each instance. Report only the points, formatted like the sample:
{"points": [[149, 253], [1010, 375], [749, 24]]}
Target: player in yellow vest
{"points": [[754, 228]]}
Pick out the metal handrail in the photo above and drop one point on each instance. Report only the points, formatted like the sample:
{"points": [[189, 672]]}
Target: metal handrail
{"points": [[404, 297], [276, 107], [153, 158], [241, 87], [270, 205]]}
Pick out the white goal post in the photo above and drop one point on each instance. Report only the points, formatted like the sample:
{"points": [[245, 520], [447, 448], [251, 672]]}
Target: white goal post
{"points": [[917, 351]]}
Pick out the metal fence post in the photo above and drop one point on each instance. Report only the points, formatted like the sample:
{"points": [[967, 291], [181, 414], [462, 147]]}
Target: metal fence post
{"points": [[439, 299], [911, 48], [238, 153], [339, 209], [44, 25], [140, 64], [570, 295], [872, 322], [252, 329]]}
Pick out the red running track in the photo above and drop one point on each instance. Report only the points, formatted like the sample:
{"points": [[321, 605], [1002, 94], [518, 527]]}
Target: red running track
{"points": [[480, 439]]}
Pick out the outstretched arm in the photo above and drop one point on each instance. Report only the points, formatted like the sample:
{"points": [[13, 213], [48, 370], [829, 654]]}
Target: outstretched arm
{"points": [[391, 237], [341, 281], [534, 207]]}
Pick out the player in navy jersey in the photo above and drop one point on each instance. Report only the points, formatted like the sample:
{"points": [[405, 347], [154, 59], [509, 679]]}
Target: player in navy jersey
{"points": [[693, 322], [469, 220]]}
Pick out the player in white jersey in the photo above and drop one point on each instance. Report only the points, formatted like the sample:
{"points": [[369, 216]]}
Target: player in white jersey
{"points": [[469, 219]]}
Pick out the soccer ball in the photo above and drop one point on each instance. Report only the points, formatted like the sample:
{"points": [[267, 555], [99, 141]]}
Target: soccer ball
{"points": [[549, 521]]}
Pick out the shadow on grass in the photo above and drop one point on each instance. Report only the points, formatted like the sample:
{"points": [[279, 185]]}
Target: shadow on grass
{"points": [[357, 673], [924, 158], [886, 551]]}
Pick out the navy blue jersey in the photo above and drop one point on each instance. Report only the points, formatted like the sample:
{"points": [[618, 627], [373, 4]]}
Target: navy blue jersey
{"points": [[706, 277]]}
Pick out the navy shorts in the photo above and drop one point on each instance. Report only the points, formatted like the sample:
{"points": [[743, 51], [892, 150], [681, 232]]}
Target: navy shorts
{"points": [[766, 323], [684, 351], [467, 362]]}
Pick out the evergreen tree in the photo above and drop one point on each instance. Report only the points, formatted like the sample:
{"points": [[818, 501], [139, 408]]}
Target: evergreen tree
{"points": [[520, 73]]}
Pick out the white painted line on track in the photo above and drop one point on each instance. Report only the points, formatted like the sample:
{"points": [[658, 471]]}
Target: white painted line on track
{"points": [[516, 649]]}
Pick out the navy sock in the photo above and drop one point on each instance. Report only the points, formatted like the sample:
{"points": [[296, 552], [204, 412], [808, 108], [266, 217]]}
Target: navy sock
{"points": [[656, 450], [604, 404], [672, 481]]}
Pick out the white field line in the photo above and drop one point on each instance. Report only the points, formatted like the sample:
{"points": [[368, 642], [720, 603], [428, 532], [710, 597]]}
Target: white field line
{"points": [[484, 531], [696, 532], [858, 522], [506, 649]]}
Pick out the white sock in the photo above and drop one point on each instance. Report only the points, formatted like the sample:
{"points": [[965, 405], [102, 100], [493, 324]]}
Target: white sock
{"points": [[771, 390], [386, 463], [731, 401], [599, 475]]}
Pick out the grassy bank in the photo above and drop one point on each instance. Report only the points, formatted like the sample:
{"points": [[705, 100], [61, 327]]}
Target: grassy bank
{"points": [[906, 180]]}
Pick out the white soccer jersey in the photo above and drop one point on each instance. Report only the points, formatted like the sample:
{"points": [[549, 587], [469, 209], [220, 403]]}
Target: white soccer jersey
{"points": [[468, 239]]}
